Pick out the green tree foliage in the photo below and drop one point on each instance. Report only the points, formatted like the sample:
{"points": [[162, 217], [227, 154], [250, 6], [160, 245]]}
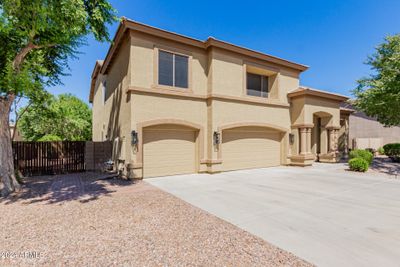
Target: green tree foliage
{"points": [[379, 95], [65, 117], [37, 38]]}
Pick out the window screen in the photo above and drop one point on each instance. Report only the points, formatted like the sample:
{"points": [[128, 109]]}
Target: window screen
{"points": [[257, 85], [165, 68], [181, 71], [173, 69]]}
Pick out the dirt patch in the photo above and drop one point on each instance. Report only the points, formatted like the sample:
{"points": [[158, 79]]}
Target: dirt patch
{"points": [[80, 220]]}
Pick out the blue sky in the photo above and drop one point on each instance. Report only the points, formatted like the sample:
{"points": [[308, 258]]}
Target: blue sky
{"points": [[333, 38]]}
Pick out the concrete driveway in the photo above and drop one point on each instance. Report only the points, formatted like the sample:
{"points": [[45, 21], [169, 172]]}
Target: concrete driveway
{"points": [[323, 214]]}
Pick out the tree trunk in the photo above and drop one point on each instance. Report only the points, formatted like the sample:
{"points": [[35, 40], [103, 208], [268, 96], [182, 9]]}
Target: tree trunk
{"points": [[8, 181]]}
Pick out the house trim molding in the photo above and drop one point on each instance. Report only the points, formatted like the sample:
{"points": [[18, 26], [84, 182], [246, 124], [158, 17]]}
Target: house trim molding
{"points": [[190, 95]]}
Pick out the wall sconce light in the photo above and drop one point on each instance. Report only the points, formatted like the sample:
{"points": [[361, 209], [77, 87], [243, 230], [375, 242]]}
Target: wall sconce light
{"points": [[134, 137], [217, 138], [291, 139]]}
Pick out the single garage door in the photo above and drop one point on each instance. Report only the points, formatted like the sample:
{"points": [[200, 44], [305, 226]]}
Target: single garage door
{"points": [[250, 148], [168, 151]]}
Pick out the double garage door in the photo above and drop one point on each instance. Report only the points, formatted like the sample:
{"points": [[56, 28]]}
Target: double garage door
{"points": [[172, 150]]}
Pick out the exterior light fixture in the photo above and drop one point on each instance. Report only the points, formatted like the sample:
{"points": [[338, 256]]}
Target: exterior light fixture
{"points": [[291, 139], [134, 137], [217, 138]]}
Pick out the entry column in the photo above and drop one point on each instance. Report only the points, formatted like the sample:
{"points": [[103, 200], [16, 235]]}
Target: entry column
{"points": [[333, 154], [333, 139], [305, 140]]}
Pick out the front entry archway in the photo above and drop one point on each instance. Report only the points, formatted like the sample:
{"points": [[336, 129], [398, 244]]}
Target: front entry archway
{"points": [[324, 138], [315, 117], [319, 134]]}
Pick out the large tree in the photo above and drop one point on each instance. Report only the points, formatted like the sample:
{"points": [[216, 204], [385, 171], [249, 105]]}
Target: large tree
{"points": [[65, 117], [379, 94], [37, 38]]}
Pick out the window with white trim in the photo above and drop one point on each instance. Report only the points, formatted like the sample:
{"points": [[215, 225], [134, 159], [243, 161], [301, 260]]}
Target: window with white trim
{"points": [[173, 69], [257, 85]]}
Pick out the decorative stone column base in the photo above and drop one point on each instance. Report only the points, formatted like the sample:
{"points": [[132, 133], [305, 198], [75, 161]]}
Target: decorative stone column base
{"points": [[134, 170], [212, 166], [332, 157], [302, 160]]}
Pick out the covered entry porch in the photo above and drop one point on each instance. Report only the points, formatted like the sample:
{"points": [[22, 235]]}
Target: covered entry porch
{"points": [[315, 119]]}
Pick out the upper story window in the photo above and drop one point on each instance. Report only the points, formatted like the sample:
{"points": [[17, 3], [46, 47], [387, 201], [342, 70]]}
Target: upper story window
{"points": [[173, 69], [257, 85]]}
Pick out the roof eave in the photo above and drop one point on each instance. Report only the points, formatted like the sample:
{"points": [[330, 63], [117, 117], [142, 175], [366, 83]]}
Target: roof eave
{"points": [[317, 93], [210, 42], [347, 110], [95, 73]]}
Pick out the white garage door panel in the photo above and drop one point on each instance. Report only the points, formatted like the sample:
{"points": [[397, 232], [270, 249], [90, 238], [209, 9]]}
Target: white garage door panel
{"points": [[250, 149], [168, 152]]}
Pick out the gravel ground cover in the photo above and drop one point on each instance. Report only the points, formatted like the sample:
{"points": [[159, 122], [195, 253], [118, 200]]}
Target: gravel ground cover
{"points": [[384, 165], [79, 220]]}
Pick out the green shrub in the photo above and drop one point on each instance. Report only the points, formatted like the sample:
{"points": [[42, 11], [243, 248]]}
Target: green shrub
{"points": [[392, 151], [49, 137], [361, 153], [358, 165], [372, 150], [381, 151]]}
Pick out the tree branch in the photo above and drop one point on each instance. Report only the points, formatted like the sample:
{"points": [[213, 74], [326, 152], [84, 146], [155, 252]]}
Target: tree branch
{"points": [[18, 117], [19, 58]]}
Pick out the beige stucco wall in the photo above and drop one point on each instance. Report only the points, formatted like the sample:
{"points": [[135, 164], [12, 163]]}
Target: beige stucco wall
{"points": [[145, 59], [228, 76], [111, 120], [362, 126], [304, 108], [315, 105], [297, 111], [99, 111]]}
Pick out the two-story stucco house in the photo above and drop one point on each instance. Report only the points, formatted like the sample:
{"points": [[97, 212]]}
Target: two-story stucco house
{"points": [[174, 105]]}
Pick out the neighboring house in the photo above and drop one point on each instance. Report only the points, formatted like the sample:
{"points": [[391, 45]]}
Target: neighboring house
{"points": [[366, 132], [17, 136], [173, 105]]}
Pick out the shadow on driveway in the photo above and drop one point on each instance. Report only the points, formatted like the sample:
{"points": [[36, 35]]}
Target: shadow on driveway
{"points": [[83, 187], [386, 166]]}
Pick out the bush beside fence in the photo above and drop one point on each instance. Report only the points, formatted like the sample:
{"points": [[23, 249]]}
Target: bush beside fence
{"points": [[392, 151]]}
